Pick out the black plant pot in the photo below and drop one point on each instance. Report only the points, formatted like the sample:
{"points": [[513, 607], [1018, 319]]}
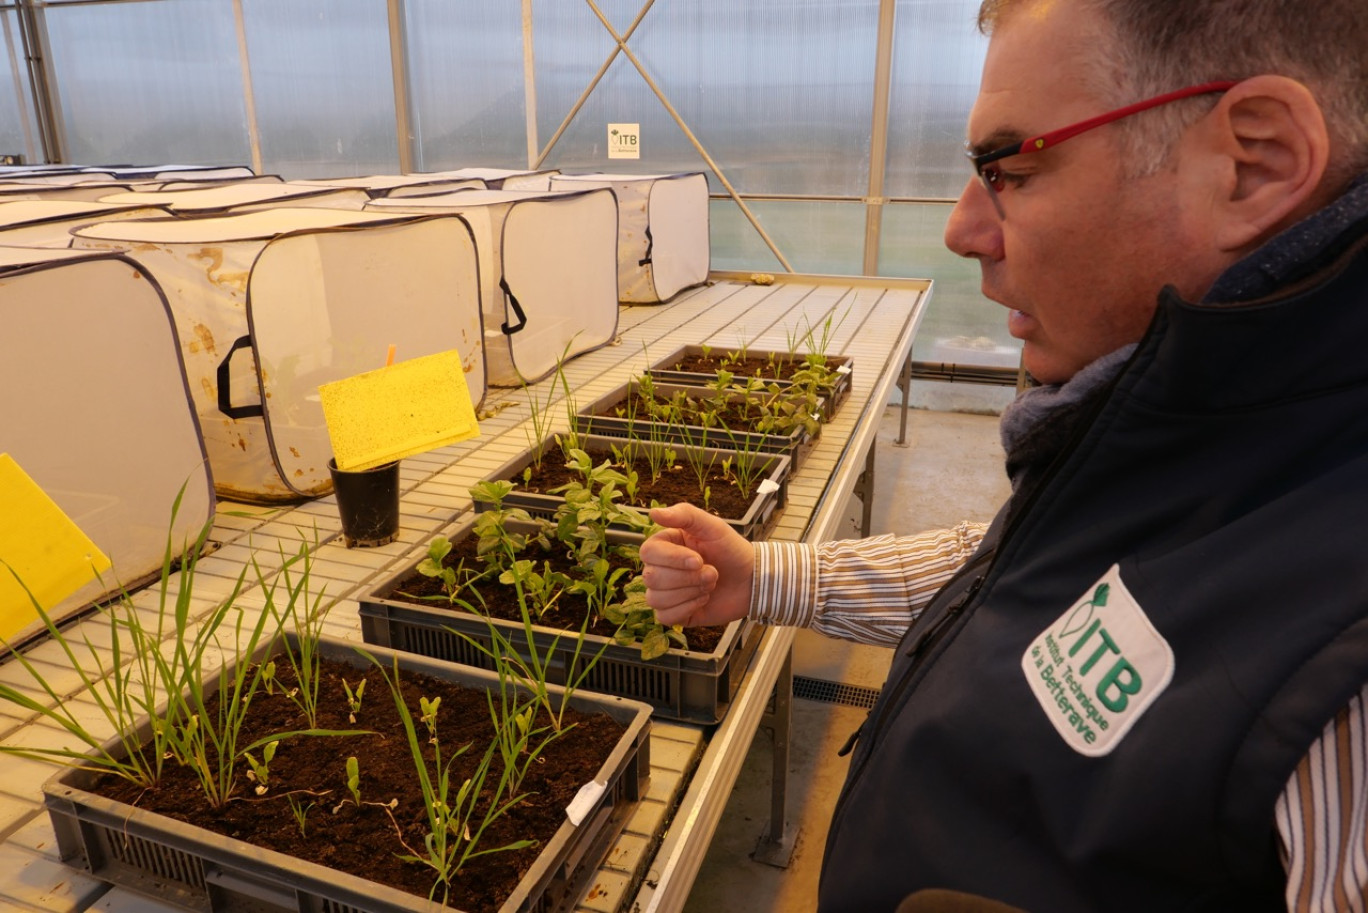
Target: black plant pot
{"points": [[368, 502]]}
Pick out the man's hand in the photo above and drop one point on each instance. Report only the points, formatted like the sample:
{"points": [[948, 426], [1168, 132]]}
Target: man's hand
{"points": [[698, 570]]}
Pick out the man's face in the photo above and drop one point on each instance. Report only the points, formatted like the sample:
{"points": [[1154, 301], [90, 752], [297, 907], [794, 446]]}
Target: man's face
{"points": [[1081, 251]]}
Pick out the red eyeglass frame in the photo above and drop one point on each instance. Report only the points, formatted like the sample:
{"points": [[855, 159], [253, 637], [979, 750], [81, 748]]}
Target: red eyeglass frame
{"points": [[1055, 137]]}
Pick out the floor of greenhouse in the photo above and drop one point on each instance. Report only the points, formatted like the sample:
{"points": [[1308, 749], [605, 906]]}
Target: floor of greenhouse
{"points": [[949, 469]]}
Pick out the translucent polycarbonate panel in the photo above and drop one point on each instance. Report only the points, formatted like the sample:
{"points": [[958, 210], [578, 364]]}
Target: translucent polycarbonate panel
{"points": [[466, 82], [778, 93], [18, 130], [938, 55], [149, 83], [960, 325], [815, 237], [323, 86]]}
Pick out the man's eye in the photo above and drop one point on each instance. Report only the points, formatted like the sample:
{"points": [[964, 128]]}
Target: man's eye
{"points": [[1000, 178]]}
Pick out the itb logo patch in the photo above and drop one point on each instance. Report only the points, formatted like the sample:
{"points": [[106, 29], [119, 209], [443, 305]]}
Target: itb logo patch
{"points": [[1099, 667]]}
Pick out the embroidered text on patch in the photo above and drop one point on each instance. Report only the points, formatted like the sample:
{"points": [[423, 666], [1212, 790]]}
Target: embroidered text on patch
{"points": [[1099, 667]]}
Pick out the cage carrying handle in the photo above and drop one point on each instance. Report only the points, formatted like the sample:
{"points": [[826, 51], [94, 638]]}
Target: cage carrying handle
{"points": [[509, 330], [225, 393], [650, 242]]}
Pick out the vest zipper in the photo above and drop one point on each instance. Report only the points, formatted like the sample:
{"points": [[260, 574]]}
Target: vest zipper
{"points": [[928, 639], [936, 630], [924, 642]]}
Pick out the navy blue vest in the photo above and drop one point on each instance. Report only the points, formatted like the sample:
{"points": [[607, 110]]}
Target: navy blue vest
{"points": [[1225, 473]]}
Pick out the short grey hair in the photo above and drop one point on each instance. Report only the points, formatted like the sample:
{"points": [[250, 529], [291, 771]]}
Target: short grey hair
{"points": [[1158, 46]]}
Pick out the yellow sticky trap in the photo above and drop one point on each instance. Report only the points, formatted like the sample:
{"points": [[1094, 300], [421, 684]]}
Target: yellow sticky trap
{"points": [[399, 410], [41, 545]]}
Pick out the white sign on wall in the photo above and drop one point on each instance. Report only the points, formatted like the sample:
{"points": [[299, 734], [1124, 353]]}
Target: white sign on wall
{"points": [[624, 141]]}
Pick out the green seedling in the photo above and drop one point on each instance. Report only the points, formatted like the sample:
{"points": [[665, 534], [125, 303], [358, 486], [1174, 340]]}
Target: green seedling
{"points": [[354, 698], [260, 772]]}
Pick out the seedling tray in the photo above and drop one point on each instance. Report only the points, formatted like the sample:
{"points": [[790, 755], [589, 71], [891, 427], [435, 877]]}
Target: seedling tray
{"points": [[755, 524], [837, 394], [196, 869], [796, 444], [687, 685]]}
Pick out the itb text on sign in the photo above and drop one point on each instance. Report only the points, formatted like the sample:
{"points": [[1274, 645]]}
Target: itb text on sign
{"points": [[624, 141]]}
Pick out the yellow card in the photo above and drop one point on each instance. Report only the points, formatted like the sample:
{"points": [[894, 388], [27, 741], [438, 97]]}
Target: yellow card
{"points": [[42, 546], [399, 410]]}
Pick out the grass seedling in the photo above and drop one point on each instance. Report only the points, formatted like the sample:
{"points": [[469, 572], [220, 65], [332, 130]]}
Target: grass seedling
{"points": [[300, 811], [302, 613], [540, 428], [519, 741], [747, 463], [818, 345], [700, 461], [456, 819], [207, 740], [540, 409], [127, 686], [530, 665], [571, 407], [165, 674], [659, 457]]}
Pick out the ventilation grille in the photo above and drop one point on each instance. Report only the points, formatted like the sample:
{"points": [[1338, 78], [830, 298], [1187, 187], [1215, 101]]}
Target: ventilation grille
{"points": [[147, 856], [333, 906], [441, 644], [816, 689], [656, 686]]}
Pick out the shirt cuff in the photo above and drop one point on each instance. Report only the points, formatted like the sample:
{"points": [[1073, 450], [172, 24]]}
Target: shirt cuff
{"points": [[784, 590]]}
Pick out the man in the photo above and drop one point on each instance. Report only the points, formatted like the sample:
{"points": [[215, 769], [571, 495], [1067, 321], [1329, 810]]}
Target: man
{"points": [[1141, 687]]}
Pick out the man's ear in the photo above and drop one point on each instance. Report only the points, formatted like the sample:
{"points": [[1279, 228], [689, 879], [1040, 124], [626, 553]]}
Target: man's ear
{"points": [[1272, 149]]}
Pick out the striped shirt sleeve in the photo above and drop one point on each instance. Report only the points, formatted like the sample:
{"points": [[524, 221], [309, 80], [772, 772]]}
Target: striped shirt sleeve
{"points": [[865, 590], [1322, 818]]}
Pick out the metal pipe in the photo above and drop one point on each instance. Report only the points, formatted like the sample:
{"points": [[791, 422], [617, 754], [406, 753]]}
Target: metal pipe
{"points": [[529, 85], [689, 135], [399, 67], [248, 93], [593, 83], [47, 111], [878, 144]]}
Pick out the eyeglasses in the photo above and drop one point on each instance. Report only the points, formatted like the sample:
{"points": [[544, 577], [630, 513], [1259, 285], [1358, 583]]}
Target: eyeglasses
{"points": [[992, 176]]}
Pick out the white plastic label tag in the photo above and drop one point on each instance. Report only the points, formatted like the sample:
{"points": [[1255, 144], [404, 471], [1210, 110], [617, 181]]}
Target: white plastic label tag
{"points": [[584, 801], [1099, 667], [766, 486]]}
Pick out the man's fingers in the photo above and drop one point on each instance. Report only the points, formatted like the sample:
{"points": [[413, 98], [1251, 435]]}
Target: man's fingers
{"points": [[666, 549], [668, 579], [679, 613]]}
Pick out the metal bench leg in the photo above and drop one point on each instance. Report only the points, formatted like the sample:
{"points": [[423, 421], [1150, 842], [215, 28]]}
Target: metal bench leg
{"points": [[905, 385], [864, 490], [775, 846]]}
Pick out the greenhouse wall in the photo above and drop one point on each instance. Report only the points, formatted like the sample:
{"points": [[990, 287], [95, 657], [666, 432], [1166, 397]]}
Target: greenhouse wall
{"points": [[779, 102]]}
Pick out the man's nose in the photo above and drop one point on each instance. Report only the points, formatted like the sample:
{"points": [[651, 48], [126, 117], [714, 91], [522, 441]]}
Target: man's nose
{"points": [[974, 228]]}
